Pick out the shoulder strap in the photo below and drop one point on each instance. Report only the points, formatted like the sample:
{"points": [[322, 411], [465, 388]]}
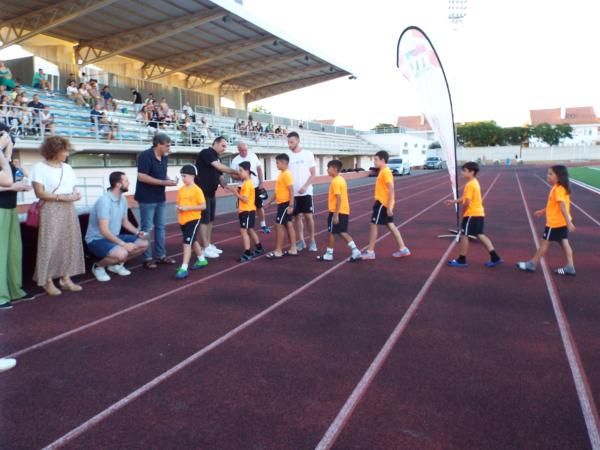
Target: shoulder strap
{"points": [[62, 170]]}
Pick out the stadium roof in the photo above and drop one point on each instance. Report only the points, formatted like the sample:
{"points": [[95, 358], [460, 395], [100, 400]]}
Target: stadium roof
{"points": [[213, 42]]}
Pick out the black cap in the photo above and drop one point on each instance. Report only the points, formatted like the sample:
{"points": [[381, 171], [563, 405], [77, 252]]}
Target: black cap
{"points": [[246, 166], [189, 169]]}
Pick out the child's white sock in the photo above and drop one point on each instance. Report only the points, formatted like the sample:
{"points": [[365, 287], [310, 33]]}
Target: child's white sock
{"points": [[201, 257], [263, 223], [184, 266], [352, 245]]}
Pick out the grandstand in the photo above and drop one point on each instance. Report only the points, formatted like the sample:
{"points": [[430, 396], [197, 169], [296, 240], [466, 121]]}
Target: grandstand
{"points": [[198, 52]]}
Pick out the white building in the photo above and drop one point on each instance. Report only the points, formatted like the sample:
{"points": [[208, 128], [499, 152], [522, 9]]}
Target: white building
{"points": [[584, 121]]}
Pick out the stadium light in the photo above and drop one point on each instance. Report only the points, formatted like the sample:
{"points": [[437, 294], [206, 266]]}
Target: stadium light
{"points": [[352, 77], [80, 61]]}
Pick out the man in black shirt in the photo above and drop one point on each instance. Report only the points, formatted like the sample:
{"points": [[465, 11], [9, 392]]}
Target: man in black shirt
{"points": [[136, 98], [210, 176], [150, 194]]}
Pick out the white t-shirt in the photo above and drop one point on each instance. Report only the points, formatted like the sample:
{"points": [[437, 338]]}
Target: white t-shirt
{"points": [[300, 165], [254, 163], [72, 90], [49, 177]]}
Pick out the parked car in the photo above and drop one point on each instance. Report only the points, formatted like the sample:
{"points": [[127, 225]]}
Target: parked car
{"points": [[433, 163], [399, 166]]}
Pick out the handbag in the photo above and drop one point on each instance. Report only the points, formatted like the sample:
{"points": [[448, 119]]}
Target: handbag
{"points": [[35, 209]]}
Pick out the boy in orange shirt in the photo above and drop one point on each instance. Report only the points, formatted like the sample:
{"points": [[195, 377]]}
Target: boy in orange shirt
{"points": [[190, 203], [473, 218], [247, 212], [558, 221], [339, 213], [284, 197], [383, 209]]}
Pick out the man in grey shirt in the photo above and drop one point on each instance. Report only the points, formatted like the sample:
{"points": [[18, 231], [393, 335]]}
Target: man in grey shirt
{"points": [[103, 237]]}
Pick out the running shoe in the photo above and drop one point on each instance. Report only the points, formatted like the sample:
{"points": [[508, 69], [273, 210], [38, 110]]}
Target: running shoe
{"points": [[199, 264], [367, 255], [100, 273], [245, 257], [7, 364], [526, 266], [494, 263], [259, 251], [181, 273], [119, 269], [312, 247], [567, 270], [300, 245], [215, 248], [7, 305], [210, 253], [402, 253], [457, 263], [265, 229]]}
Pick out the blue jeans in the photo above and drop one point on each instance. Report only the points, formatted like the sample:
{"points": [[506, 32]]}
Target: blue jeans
{"points": [[153, 216]]}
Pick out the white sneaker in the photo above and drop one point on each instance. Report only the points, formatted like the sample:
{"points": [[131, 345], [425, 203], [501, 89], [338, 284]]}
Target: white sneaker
{"points": [[209, 252], [100, 273], [215, 249], [7, 364], [119, 269]]}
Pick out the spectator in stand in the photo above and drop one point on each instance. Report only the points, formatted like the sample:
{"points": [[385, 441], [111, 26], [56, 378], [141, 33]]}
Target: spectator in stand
{"points": [[10, 231], [136, 98], [14, 93], [6, 77], [23, 98], [104, 238], [74, 94], [95, 117], [142, 115], [35, 106], [107, 100], [60, 250], [46, 121], [105, 128], [72, 79], [40, 81], [210, 176], [26, 125], [155, 120], [4, 110], [164, 106], [150, 194], [150, 100], [92, 89], [84, 93]]}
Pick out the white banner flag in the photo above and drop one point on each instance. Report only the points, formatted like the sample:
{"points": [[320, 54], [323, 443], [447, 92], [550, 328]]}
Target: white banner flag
{"points": [[419, 63]]}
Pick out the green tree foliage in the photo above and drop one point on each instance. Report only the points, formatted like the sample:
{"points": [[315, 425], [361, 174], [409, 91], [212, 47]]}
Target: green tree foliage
{"points": [[384, 126], [434, 145], [260, 109], [551, 135], [488, 134]]}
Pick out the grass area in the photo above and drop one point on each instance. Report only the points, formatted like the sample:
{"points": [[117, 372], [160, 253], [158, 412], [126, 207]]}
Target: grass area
{"points": [[588, 175]]}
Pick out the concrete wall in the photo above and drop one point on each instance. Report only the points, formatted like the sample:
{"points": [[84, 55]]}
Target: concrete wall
{"points": [[576, 153]]}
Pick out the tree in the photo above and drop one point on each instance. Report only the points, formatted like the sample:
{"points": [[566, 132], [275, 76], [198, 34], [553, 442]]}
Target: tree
{"points": [[515, 135], [383, 126], [434, 145], [551, 135], [260, 109], [479, 134]]}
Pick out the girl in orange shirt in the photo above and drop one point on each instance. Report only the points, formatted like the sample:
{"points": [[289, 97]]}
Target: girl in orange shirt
{"points": [[558, 221]]}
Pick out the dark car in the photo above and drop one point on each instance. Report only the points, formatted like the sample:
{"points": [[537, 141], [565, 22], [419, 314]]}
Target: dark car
{"points": [[433, 163]]}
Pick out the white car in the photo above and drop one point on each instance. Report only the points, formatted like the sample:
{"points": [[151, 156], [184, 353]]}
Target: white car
{"points": [[399, 166]]}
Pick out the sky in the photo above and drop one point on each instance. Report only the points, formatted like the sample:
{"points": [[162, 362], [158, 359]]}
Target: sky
{"points": [[508, 56]]}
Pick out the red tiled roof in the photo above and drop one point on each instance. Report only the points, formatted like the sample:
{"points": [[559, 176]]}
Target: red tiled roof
{"points": [[325, 121], [417, 123], [573, 116]]}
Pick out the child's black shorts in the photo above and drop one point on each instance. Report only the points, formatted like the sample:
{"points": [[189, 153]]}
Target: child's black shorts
{"points": [[556, 234], [472, 226], [380, 215], [247, 219], [303, 205], [189, 230], [341, 227], [282, 215]]}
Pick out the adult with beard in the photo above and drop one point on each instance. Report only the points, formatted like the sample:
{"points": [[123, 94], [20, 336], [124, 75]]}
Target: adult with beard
{"points": [[210, 176], [104, 238]]}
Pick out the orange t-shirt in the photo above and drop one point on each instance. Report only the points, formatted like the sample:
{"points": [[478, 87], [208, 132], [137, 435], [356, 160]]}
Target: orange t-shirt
{"points": [[339, 187], [247, 190], [554, 216], [472, 192], [282, 187], [189, 196], [382, 190]]}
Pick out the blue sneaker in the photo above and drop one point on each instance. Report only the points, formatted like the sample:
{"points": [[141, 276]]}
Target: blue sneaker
{"points": [[455, 263], [245, 257], [181, 274], [265, 229], [199, 264], [494, 263]]}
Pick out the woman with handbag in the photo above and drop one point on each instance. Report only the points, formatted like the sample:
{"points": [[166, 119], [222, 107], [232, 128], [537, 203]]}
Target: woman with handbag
{"points": [[60, 248]]}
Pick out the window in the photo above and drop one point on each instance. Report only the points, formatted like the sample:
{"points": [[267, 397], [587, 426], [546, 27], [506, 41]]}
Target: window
{"points": [[406, 144], [120, 160], [405, 152], [86, 160]]}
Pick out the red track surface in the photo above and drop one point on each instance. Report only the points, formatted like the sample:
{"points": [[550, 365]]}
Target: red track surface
{"points": [[266, 354]]}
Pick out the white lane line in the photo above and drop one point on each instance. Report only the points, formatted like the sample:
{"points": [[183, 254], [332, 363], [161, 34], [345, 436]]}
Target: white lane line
{"points": [[585, 213], [590, 188], [90, 423], [363, 385], [168, 293], [586, 399]]}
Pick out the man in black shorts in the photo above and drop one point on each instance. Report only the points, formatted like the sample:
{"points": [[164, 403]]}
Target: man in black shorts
{"points": [[210, 176], [303, 168]]}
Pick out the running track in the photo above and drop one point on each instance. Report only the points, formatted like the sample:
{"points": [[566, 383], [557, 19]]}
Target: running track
{"points": [[299, 354]]}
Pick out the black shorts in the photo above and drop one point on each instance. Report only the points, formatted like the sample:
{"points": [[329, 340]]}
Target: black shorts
{"points": [[208, 215], [303, 204], [380, 215], [189, 230], [282, 215], [556, 234], [472, 226], [258, 202], [247, 219], [341, 227]]}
